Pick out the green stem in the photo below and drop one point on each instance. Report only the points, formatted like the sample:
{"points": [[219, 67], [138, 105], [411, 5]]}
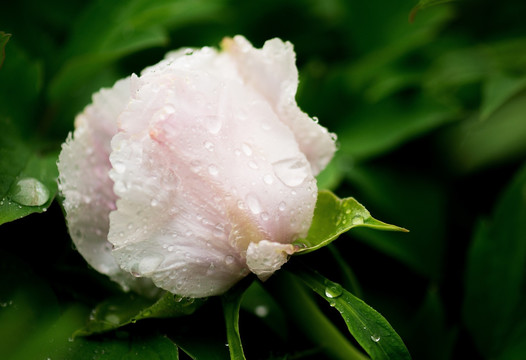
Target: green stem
{"points": [[300, 305]]}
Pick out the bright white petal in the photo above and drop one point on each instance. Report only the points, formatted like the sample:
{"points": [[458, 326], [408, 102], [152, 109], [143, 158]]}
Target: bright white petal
{"points": [[266, 257], [272, 72], [87, 189]]}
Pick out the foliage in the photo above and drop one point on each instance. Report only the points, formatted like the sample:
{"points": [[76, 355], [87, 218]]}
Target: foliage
{"points": [[431, 121]]}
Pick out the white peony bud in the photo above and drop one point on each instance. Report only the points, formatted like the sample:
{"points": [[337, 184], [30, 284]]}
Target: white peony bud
{"points": [[196, 172]]}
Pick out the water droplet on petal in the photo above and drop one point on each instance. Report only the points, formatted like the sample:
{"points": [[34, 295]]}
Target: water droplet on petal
{"points": [[209, 146], [213, 124], [188, 51], [30, 192], [212, 170], [246, 149], [229, 259], [149, 264], [119, 167], [282, 206], [252, 165], [268, 179], [253, 204], [292, 172]]}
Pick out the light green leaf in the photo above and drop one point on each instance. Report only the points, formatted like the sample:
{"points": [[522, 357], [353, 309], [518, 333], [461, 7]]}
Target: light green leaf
{"points": [[129, 308], [368, 327], [333, 217], [495, 279]]}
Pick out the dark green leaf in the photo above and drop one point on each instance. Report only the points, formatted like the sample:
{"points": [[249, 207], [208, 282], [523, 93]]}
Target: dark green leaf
{"points": [[333, 217], [499, 89], [121, 346], [302, 308], [377, 128], [474, 144], [27, 177], [259, 302], [495, 279], [369, 328], [4, 38], [412, 199], [231, 303], [129, 308]]}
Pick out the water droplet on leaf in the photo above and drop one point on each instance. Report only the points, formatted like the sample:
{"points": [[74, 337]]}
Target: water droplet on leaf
{"points": [[333, 290], [30, 192]]}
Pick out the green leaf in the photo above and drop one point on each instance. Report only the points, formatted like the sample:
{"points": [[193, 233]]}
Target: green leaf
{"points": [[258, 301], [20, 87], [121, 346], [27, 177], [4, 38], [108, 31], [495, 279], [368, 327], [498, 90], [475, 144], [432, 339], [302, 308], [129, 308], [375, 129], [231, 303], [410, 198], [333, 217]]}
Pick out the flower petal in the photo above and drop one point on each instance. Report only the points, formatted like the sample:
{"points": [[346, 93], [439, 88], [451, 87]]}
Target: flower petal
{"points": [[203, 167], [265, 257], [87, 189], [272, 72]]}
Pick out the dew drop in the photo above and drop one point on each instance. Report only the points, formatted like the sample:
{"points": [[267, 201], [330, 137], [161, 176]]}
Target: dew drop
{"points": [[282, 206], [213, 124], [119, 167], [188, 51], [154, 202], [292, 172], [29, 192], [252, 165], [357, 220], [264, 216], [268, 179], [209, 146], [229, 259], [149, 264], [261, 311], [253, 204], [333, 290], [375, 338], [246, 149], [315, 119], [212, 170]]}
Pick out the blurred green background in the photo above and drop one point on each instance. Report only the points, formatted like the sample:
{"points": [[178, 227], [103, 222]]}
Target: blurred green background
{"points": [[431, 123]]}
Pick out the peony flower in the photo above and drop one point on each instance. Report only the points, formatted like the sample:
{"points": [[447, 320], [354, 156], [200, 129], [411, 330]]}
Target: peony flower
{"points": [[195, 173]]}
